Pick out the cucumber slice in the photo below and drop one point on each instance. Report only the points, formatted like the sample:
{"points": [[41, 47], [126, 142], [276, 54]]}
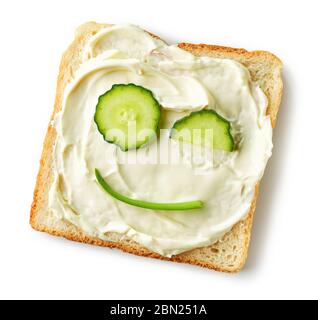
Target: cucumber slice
{"points": [[206, 128], [128, 116], [190, 205]]}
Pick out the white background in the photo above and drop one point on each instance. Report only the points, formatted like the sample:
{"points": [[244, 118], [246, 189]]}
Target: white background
{"points": [[283, 260]]}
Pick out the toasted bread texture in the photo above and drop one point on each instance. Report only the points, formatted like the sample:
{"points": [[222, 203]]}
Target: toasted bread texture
{"points": [[227, 255]]}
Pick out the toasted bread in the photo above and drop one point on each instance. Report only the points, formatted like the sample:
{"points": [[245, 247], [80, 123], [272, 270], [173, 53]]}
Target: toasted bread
{"points": [[228, 254]]}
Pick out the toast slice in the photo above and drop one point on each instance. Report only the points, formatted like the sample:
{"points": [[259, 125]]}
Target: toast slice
{"points": [[227, 255]]}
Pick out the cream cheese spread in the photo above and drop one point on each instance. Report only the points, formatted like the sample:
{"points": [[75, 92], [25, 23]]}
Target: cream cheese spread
{"points": [[182, 83]]}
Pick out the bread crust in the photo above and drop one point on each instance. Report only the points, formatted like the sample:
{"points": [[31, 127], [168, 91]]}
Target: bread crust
{"points": [[227, 255]]}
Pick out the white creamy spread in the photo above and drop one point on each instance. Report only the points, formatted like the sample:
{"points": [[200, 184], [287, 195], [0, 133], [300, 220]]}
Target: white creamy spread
{"points": [[182, 83]]}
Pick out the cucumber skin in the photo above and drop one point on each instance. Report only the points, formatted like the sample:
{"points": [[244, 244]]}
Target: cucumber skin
{"points": [[183, 120], [190, 205], [135, 147]]}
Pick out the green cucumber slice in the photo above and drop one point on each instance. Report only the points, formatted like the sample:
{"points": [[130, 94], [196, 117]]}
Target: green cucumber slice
{"points": [[206, 128], [145, 204], [128, 116]]}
